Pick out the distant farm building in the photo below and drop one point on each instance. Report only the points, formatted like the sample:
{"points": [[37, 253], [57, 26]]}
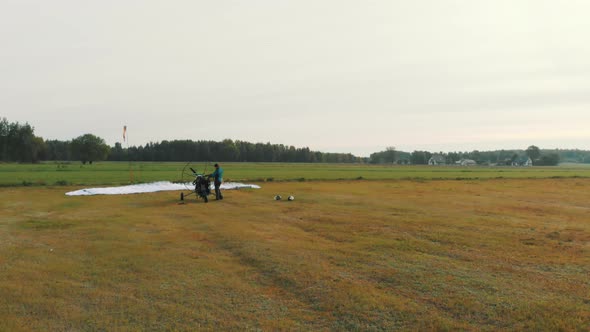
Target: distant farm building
{"points": [[523, 161], [466, 162], [437, 160]]}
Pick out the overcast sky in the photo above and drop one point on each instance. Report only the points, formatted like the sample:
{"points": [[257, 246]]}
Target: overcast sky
{"points": [[334, 75]]}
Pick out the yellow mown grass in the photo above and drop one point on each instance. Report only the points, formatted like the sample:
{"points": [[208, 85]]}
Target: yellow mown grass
{"points": [[358, 255]]}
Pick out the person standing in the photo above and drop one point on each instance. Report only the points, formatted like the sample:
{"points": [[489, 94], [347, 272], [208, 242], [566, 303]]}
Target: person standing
{"points": [[217, 180]]}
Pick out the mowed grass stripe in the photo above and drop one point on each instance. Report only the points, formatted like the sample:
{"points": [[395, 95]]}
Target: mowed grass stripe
{"points": [[115, 173]]}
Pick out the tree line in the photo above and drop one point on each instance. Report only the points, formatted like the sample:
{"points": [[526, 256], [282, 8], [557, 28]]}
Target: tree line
{"points": [[538, 157], [18, 143], [226, 150]]}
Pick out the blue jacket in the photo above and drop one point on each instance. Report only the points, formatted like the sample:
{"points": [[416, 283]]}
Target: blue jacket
{"points": [[218, 174]]}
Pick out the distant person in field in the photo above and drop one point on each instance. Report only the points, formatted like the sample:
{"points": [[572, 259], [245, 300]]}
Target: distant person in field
{"points": [[217, 176]]}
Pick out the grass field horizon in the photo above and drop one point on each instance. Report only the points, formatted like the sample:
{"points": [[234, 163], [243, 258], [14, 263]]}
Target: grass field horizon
{"points": [[492, 252], [117, 173]]}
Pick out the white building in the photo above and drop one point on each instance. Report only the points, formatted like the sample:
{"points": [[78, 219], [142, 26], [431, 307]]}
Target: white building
{"points": [[467, 162], [437, 160], [523, 162]]}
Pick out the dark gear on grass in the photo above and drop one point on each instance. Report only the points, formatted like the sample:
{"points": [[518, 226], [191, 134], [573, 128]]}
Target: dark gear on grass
{"points": [[217, 176]]}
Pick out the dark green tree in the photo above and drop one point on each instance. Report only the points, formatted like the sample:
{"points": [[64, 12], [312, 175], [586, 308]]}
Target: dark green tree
{"points": [[58, 150], [19, 143], [550, 159], [391, 154], [420, 157], [89, 148], [533, 152], [117, 152], [4, 130]]}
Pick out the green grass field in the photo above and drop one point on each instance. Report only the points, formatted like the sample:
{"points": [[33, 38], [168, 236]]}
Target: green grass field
{"points": [[495, 254], [52, 173]]}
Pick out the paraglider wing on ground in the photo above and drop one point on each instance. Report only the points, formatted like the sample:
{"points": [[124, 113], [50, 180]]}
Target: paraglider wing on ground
{"points": [[150, 188]]}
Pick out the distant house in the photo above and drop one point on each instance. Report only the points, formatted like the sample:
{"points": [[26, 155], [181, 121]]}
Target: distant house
{"points": [[528, 162], [523, 161], [437, 160], [467, 162]]}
